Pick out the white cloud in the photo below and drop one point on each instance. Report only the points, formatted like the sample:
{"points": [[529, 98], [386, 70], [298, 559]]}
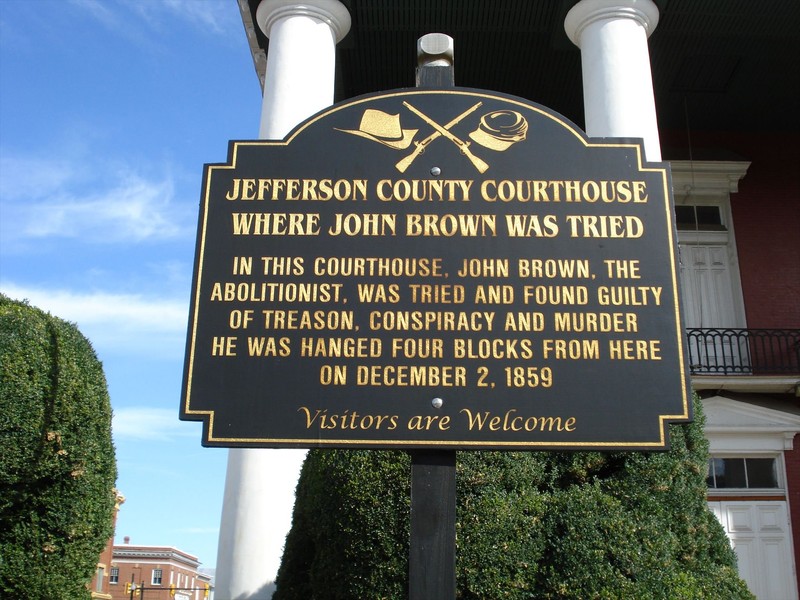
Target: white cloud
{"points": [[126, 323], [100, 11], [140, 423], [68, 202], [50, 175], [134, 210], [209, 15], [212, 16]]}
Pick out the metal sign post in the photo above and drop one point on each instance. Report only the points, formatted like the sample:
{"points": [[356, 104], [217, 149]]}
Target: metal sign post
{"points": [[432, 552], [432, 549]]}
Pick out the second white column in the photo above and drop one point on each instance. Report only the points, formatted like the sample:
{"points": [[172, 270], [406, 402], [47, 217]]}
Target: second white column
{"points": [[617, 81]]}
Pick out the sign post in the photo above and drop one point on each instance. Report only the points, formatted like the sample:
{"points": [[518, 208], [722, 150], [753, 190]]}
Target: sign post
{"points": [[432, 548], [432, 544]]}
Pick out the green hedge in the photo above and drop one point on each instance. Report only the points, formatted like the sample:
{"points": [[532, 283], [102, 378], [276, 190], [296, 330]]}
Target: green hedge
{"points": [[530, 525], [57, 465]]}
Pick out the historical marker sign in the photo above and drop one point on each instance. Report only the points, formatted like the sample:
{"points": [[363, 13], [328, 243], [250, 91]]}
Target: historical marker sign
{"points": [[439, 269]]}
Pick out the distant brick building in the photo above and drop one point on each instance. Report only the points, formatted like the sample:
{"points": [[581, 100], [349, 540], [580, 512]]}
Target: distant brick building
{"points": [[157, 572], [99, 587]]}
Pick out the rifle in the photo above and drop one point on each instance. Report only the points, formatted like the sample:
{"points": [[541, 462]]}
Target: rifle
{"points": [[462, 145]]}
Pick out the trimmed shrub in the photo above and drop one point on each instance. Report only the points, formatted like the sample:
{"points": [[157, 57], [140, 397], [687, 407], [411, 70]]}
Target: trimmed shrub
{"points": [[57, 466], [352, 508], [530, 525]]}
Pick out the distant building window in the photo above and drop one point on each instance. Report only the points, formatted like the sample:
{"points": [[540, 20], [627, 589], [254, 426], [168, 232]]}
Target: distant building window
{"points": [[157, 575], [101, 572], [742, 473], [113, 576]]}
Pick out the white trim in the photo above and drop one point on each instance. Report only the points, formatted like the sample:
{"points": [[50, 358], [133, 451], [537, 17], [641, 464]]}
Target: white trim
{"points": [[746, 383], [737, 427], [706, 177], [258, 54]]}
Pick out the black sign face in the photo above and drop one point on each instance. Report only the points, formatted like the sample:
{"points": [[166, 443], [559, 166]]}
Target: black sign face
{"points": [[439, 269]]}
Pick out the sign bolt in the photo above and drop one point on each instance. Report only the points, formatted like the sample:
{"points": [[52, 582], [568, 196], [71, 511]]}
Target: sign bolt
{"points": [[437, 403], [436, 171]]}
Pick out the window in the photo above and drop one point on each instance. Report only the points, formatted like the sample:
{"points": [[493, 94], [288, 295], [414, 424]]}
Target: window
{"points": [[157, 575], [711, 286], [101, 572], [742, 473], [113, 576], [692, 217]]}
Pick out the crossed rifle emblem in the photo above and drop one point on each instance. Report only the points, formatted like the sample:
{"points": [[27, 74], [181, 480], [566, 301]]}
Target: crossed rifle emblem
{"points": [[497, 131]]}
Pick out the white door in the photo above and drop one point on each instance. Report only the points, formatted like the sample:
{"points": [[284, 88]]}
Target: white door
{"points": [[710, 302], [760, 535], [707, 286]]}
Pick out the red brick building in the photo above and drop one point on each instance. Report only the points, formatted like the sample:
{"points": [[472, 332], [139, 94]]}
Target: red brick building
{"points": [[740, 271], [151, 572], [99, 585], [156, 573]]}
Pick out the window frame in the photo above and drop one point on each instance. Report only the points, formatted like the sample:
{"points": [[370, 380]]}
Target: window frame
{"points": [[780, 475]]}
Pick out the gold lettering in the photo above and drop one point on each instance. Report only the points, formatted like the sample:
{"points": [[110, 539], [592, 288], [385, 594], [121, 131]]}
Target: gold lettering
{"points": [[634, 349], [425, 293], [622, 269], [369, 224], [298, 189], [423, 190], [484, 267], [629, 295], [511, 421], [536, 268], [275, 224], [463, 225], [613, 227], [411, 376], [531, 226], [571, 349], [531, 190], [593, 322]]}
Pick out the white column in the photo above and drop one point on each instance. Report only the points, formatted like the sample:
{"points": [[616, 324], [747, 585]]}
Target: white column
{"points": [[260, 484], [301, 62], [617, 82]]}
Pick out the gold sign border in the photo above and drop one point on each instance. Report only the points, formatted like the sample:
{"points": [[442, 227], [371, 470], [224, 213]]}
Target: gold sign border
{"points": [[208, 416]]}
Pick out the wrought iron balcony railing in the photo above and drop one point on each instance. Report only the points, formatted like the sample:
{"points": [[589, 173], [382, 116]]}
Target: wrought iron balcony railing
{"points": [[744, 351]]}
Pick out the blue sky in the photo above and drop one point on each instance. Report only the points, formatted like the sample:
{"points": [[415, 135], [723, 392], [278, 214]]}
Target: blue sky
{"points": [[108, 110]]}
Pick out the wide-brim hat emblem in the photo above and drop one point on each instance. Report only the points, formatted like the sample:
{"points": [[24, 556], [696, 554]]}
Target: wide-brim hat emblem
{"points": [[383, 128], [500, 129]]}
